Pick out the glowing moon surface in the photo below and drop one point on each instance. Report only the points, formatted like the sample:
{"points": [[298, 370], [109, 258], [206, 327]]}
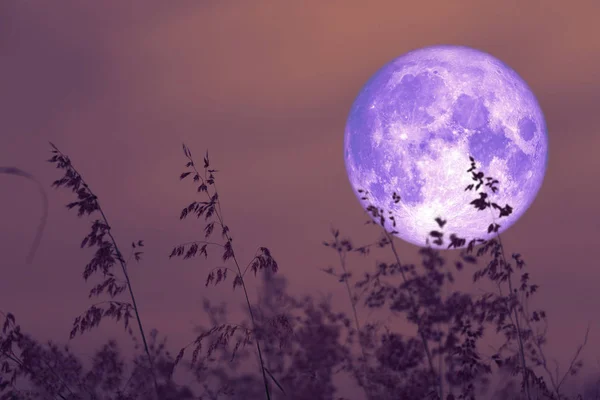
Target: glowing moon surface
{"points": [[416, 121]]}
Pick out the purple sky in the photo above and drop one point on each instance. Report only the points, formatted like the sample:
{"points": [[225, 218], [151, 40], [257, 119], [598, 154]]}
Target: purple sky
{"points": [[266, 87]]}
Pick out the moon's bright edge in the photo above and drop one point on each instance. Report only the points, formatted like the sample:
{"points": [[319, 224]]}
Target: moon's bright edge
{"points": [[416, 121]]}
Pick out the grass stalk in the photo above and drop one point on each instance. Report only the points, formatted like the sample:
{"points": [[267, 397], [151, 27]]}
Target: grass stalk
{"points": [[414, 306], [254, 326], [342, 256], [43, 218], [75, 176], [516, 316], [219, 213]]}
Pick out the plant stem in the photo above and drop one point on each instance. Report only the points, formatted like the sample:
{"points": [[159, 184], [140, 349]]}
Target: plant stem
{"points": [[122, 262], [262, 364], [135, 307], [517, 323], [219, 215], [521, 349], [357, 323], [42, 224], [421, 334]]}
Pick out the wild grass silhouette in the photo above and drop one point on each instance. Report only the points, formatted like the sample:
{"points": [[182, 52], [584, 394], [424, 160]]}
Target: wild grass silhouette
{"points": [[40, 231], [302, 344]]}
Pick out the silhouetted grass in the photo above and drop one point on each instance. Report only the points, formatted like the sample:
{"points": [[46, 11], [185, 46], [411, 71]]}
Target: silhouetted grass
{"points": [[302, 343], [211, 210], [38, 235]]}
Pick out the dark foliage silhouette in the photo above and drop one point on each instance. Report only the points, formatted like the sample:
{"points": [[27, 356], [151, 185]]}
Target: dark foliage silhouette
{"points": [[294, 348]]}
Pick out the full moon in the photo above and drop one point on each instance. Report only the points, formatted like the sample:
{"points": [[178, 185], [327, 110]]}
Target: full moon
{"points": [[413, 127]]}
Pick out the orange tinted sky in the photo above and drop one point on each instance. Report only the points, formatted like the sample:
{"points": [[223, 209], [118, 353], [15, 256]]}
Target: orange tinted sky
{"points": [[265, 86]]}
